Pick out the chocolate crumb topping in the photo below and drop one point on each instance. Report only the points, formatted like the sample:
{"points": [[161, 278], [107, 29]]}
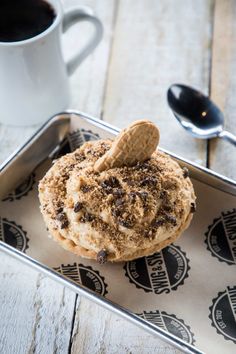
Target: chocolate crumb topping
{"points": [[193, 207], [116, 212], [105, 186], [130, 183], [59, 210], [77, 207], [87, 217], [169, 184], [148, 181], [107, 189], [118, 192], [167, 207], [65, 176], [114, 182], [111, 182], [143, 165], [143, 195], [185, 172], [163, 194], [119, 202], [79, 157], [102, 257], [171, 219], [64, 224], [125, 223], [85, 189], [158, 222], [146, 233], [132, 196], [62, 218]]}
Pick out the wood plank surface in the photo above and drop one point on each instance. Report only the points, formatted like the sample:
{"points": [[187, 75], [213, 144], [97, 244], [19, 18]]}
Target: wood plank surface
{"points": [[157, 43], [25, 296], [122, 104], [88, 83], [222, 157], [147, 46], [108, 333], [90, 319], [36, 312]]}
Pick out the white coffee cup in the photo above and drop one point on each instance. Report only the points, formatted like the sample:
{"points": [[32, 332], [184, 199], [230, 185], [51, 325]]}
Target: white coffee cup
{"points": [[34, 81]]}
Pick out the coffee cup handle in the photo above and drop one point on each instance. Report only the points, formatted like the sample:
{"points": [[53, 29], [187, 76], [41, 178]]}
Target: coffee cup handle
{"points": [[78, 15]]}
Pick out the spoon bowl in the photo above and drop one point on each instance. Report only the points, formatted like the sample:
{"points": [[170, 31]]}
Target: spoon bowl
{"points": [[197, 113]]}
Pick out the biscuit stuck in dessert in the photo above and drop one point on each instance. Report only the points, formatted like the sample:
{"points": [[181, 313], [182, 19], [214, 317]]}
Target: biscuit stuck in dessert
{"points": [[117, 201]]}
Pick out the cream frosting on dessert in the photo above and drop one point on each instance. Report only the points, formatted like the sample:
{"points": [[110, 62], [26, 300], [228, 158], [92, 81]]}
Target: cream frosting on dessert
{"points": [[118, 214]]}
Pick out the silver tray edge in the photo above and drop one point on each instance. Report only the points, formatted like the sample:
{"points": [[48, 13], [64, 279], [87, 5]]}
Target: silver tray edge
{"points": [[200, 173], [102, 301]]}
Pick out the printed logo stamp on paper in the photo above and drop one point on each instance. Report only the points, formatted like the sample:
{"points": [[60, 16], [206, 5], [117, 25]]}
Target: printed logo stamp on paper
{"points": [[221, 237], [169, 323], [22, 190], [84, 275], [74, 140], [13, 234], [160, 273], [223, 313]]}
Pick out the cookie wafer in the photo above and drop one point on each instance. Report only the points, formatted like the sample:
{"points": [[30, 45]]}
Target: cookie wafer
{"points": [[134, 144]]}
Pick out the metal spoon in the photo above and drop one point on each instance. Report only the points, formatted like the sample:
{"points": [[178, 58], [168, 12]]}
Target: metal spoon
{"points": [[197, 113]]}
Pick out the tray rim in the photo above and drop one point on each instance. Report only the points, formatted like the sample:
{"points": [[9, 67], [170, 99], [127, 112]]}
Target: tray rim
{"points": [[110, 305], [218, 180], [100, 300]]}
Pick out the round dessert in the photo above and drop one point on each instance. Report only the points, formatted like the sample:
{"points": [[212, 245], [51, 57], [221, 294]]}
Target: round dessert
{"points": [[120, 213]]}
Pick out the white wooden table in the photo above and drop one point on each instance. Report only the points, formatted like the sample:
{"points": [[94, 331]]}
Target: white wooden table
{"points": [[147, 45]]}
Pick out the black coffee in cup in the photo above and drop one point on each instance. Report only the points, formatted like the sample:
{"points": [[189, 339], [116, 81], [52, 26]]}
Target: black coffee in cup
{"points": [[24, 19]]}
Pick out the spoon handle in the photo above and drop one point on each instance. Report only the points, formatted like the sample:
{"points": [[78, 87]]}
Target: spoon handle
{"points": [[228, 136]]}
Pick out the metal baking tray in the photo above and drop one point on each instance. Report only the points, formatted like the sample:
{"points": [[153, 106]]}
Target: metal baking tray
{"points": [[152, 307]]}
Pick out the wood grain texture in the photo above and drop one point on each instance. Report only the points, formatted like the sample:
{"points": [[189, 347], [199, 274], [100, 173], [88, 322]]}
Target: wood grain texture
{"points": [[157, 43], [37, 316], [12, 137], [108, 333], [36, 312], [94, 330], [147, 46], [222, 156], [88, 83]]}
